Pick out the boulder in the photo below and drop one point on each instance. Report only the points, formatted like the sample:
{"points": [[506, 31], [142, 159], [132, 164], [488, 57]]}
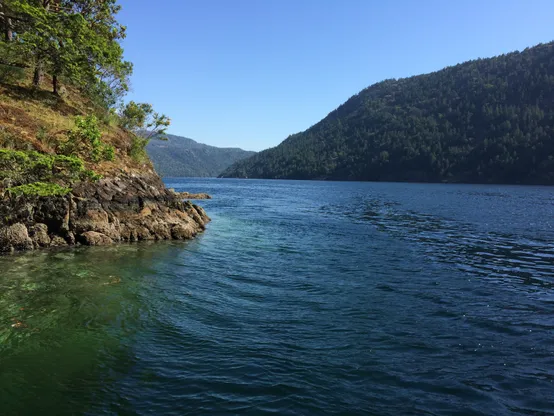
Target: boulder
{"points": [[15, 237], [182, 232], [92, 238], [58, 241], [187, 195], [39, 235]]}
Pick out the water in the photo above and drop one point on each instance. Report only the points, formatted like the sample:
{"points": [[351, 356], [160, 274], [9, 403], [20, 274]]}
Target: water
{"points": [[301, 298]]}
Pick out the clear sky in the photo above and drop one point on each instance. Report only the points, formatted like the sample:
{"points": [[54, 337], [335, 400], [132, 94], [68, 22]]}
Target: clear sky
{"points": [[247, 73]]}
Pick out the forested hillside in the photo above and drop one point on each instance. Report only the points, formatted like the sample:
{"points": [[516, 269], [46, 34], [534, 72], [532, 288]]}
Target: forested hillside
{"points": [[485, 121], [180, 156]]}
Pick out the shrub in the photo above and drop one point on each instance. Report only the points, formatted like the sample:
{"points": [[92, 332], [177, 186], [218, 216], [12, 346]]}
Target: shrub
{"points": [[137, 150], [87, 133], [108, 153], [10, 74], [38, 189], [33, 166]]}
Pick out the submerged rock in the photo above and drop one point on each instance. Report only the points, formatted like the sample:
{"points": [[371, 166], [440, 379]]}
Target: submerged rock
{"points": [[128, 207]]}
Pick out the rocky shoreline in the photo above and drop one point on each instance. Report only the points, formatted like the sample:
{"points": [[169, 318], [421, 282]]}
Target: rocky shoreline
{"points": [[123, 208], [188, 195]]}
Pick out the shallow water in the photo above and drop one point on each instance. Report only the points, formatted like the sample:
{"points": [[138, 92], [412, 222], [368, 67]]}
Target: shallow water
{"points": [[301, 298]]}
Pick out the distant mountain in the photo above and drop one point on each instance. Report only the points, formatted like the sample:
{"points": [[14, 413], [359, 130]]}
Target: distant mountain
{"points": [[180, 156], [483, 121]]}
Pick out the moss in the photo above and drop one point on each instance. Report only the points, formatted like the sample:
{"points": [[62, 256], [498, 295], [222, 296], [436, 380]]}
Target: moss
{"points": [[38, 189]]}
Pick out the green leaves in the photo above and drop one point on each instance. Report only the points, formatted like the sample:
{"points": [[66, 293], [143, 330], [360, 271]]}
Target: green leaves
{"points": [[87, 135], [141, 118], [22, 167], [73, 40], [38, 189]]}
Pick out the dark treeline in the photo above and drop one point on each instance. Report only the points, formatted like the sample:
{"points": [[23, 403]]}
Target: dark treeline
{"points": [[484, 121]]}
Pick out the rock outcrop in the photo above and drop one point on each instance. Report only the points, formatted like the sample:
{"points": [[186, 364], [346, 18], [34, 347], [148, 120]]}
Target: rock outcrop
{"points": [[188, 195], [122, 208]]}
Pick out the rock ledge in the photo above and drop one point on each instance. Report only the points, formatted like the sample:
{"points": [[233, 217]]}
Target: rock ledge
{"points": [[118, 209]]}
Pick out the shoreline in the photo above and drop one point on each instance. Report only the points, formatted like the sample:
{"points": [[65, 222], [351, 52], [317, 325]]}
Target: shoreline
{"points": [[123, 208]]}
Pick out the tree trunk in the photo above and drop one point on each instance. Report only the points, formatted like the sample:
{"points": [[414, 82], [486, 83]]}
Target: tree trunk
{"points": [[8, 33], [37, 76], [55, 85], [6, 22]]}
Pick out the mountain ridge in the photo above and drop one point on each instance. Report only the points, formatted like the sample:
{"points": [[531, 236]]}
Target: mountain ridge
{"points": [[483, 121], [184, 157]]}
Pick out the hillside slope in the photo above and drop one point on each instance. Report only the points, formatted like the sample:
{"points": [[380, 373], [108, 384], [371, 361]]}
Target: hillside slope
{"points": [[56, 189], [484, 121], [180, 156]]}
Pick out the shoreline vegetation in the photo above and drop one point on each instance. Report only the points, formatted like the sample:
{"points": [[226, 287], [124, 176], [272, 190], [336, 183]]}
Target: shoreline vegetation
{"points": [[73, 165]]}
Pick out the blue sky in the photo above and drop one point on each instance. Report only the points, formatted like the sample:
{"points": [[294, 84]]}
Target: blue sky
{"points": [[247, 73]]}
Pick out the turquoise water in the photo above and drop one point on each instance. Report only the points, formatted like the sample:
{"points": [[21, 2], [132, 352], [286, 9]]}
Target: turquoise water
{"points": [[301, 298]]}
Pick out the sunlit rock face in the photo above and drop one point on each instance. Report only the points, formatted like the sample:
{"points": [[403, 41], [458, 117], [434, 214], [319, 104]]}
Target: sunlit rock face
{"points": [[123, 208]]}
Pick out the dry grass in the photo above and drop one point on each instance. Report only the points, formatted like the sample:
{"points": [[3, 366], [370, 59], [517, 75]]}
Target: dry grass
{"points": [[36, 119]]}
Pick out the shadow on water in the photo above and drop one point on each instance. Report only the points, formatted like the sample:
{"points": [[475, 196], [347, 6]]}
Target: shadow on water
{"points": [[68, 320]]}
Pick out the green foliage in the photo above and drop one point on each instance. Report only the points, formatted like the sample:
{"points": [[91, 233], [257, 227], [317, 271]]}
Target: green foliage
{"points": [[22, 167], [489, 120], [133, 115], [73, 40], [87, 134], [140, 118], [38, 189], [137, 150], [10, 74], [86, 130], [108, 153], [92, 175]]}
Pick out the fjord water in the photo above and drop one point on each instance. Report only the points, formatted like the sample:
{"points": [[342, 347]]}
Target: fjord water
{"points": [[301, 298]]}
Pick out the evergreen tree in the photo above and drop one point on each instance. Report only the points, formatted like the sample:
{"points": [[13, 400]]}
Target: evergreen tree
{"points": [[488, 120]]}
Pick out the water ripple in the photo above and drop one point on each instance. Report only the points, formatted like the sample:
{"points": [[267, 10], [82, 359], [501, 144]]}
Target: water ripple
{"points": [[301, 298]]}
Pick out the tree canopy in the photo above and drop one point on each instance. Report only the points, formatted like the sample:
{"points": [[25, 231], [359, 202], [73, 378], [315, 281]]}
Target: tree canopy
{"points": [[72, 40], [488, 120]]}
